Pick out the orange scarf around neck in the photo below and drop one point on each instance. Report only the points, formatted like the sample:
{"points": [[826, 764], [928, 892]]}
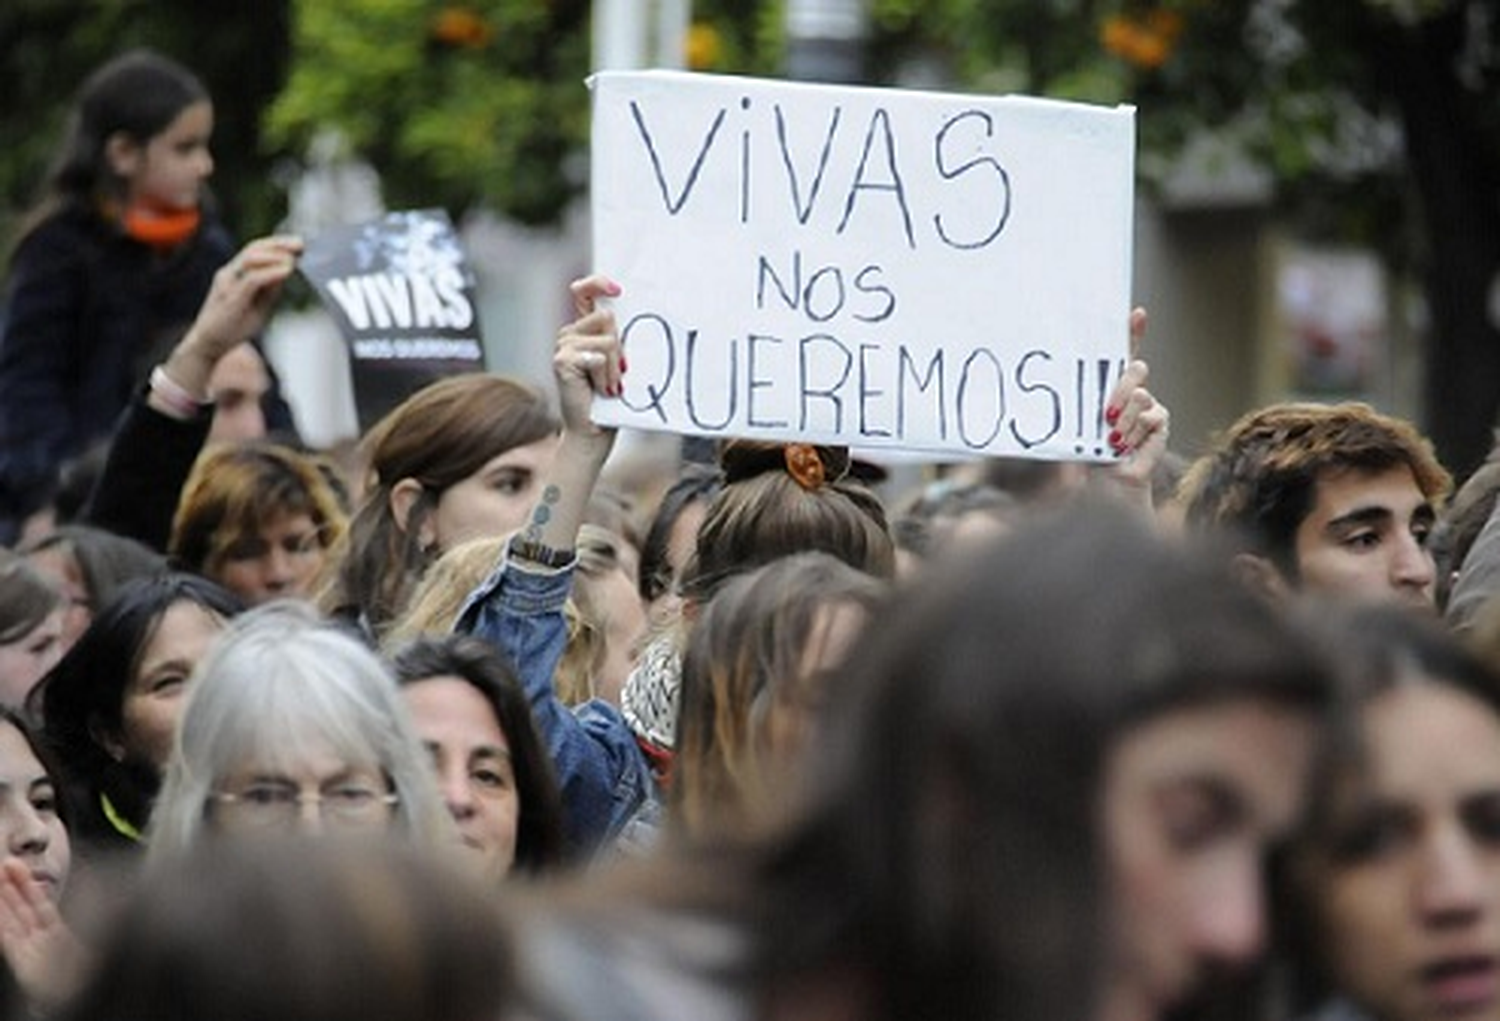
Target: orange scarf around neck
{"points": [[160, 228]]}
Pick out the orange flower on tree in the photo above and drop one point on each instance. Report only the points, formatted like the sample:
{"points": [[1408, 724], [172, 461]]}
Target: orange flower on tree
{"points": [[462, 28], [1145, 40], [702, 47]]}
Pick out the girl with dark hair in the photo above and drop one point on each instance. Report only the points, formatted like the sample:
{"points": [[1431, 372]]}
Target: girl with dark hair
{"points": [[110, 267], [470, 712], [1391, 890], [110, 707], [34, 823]]}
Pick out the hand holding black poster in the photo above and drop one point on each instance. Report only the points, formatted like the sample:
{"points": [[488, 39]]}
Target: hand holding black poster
{"points": [[402, 294]]}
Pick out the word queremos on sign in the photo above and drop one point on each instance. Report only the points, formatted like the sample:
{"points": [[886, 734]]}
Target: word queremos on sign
{"points": [[883, 268]]}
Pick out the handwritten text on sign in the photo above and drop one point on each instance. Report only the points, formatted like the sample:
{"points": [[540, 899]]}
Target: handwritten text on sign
{"points": [[881, 268]]}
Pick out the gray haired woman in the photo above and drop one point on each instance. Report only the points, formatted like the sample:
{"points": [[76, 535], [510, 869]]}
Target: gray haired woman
{"points": [[295, 724]]}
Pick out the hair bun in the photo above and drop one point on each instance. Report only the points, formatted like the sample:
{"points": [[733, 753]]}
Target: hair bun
{"points": [[811, 465]]}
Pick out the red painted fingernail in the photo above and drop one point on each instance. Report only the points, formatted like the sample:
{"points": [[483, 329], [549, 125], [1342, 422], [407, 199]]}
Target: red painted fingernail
{"points": [[1115, 438], [623, 366], [1112, 415]]}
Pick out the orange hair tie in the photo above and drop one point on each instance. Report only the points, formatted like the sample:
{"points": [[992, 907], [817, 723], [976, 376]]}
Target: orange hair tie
{"points": [[804, 465]]}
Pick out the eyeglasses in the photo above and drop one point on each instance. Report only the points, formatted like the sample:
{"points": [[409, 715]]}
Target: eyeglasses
{"points": [[280, 804]]}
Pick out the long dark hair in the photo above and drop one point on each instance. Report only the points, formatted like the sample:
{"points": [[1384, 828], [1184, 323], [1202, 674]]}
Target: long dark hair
{"points": [[138, 94], [48, 760], [698, 483], [950, 852], [83, 695], [539, 836], [1378, 649]]}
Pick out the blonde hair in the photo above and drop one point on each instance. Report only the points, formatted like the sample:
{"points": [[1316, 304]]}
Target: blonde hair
{"points": [[588, 615], [445, 586]]}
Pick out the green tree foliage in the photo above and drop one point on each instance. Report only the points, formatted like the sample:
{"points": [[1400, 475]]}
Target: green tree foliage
{"points": [[454, 104], [480, 102], [1297, 88], [737, 36], [1378, 121], [1293, 86]]}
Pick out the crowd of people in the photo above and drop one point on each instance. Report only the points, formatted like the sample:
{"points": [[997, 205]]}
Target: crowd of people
{"points": [[472, 731]]}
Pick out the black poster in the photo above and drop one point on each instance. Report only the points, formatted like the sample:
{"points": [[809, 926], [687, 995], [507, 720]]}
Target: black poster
{"points": [[403, 296]]}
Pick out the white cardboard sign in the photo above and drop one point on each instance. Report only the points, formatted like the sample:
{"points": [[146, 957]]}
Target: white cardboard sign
{"points": [[874, 267]]}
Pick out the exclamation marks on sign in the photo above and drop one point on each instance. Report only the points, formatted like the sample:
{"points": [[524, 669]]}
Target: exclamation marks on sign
{"points": [[1105, 372]]}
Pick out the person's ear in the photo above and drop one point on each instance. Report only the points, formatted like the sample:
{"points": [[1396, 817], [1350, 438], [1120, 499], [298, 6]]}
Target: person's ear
{"points": [[107, 738], [405, 495], [123, 154], [1261, 576]]}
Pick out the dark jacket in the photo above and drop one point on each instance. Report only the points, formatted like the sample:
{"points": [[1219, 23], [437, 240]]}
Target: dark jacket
{"points": [[151, 457], [88, 311]]}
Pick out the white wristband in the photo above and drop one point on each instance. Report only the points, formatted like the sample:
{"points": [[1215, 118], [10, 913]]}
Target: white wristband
{"points": [[176, 399]]}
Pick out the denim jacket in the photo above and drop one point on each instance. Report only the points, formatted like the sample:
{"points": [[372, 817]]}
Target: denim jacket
{"points": [[603, 775]]}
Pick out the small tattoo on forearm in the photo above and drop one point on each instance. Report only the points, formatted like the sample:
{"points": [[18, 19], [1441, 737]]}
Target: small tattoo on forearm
{"points": [[543, 513]]}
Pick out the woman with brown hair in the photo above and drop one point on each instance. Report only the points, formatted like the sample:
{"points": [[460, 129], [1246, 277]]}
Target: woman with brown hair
{"points": [[760, 668], [777, 499], [259, 519], [459, 459]]}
